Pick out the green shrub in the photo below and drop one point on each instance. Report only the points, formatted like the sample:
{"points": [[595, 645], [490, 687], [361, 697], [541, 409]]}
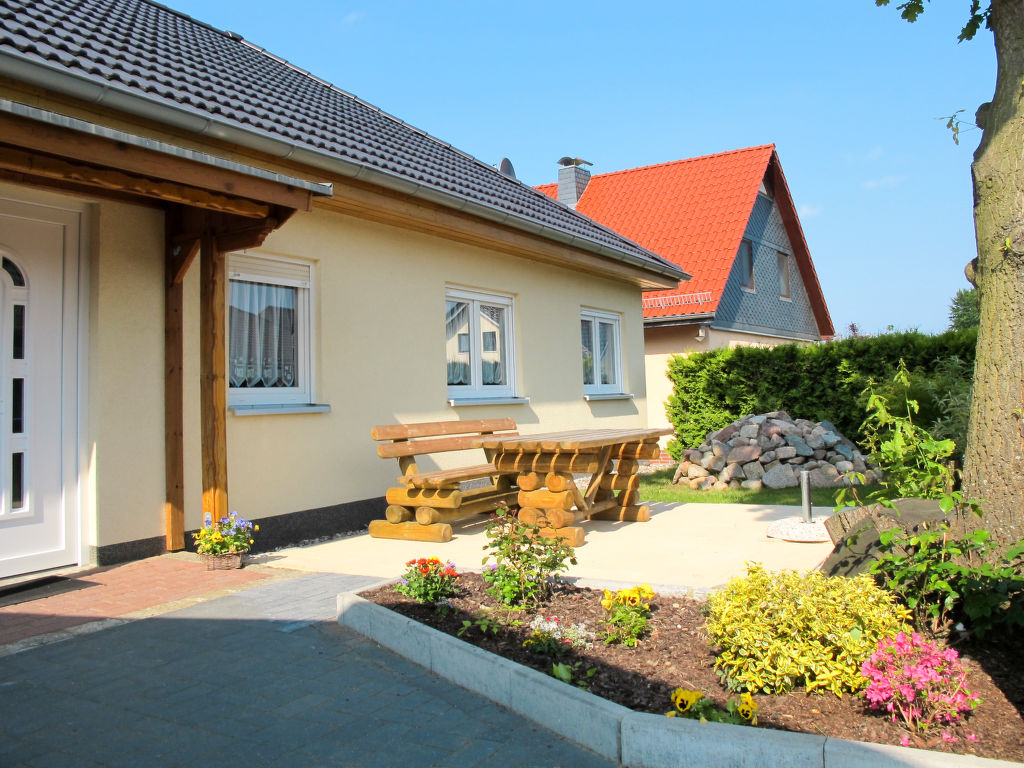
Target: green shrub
{"points": [[818, 381], [525, 562], [777, 631], [942, 579]]}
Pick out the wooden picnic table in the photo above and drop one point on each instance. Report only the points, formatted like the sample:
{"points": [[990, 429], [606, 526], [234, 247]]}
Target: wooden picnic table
{"points": [[546, 464]]}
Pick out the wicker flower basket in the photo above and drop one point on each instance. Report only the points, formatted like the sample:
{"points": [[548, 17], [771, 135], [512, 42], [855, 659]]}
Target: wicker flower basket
{"points": [[222, 562]]}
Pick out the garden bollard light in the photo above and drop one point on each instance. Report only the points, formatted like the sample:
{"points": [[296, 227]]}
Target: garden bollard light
{"points": [[805, 493]]}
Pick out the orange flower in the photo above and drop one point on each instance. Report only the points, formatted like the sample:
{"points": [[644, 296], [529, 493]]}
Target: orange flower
{"points": [[424, 570]]}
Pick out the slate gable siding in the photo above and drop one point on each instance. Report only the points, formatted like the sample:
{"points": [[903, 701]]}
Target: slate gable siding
{"points": [[763, 311]]}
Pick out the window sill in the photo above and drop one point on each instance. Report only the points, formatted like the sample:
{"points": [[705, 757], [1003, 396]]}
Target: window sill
{"points": [[459, 402], [610, 396], [278, 410]]}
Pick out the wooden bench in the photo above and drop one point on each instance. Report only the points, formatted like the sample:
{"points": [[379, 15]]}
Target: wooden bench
{"points": [[423, 505]]}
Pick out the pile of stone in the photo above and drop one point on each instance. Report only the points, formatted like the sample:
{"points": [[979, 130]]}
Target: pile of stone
{"points": [[771, 450]]}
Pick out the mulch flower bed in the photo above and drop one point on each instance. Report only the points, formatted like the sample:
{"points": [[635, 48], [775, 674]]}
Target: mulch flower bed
{"points": [[675, 654]]}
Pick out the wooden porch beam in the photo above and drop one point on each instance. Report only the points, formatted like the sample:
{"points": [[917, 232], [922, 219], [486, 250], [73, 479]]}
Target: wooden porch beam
{"points": [[47, 167], [212, 377], [67, 143]]}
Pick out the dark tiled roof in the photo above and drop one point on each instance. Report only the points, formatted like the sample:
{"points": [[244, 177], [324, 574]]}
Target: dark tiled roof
{"points": [[152, 52]]}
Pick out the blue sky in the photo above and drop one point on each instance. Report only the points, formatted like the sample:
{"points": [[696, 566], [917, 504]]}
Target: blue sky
{"points": [[849, 93]]}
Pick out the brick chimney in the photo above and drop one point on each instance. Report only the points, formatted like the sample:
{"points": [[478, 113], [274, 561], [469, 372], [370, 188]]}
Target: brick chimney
{"points": [[572, 180]]}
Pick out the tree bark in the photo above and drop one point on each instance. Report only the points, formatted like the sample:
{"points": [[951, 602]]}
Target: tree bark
{"points": [[994, 459]]}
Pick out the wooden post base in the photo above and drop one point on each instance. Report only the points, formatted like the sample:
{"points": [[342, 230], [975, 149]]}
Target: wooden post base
{"points": [[411, 531]]}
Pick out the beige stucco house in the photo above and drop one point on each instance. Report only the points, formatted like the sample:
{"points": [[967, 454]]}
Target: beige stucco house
{"points": [[220, 271]]}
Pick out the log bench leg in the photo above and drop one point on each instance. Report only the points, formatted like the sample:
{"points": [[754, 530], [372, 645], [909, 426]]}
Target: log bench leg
{"points": [[411, 531], [627, 482], [396, 514]]}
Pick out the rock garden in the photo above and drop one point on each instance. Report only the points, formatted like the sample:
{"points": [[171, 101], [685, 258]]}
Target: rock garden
{"points": [[770, 450]]}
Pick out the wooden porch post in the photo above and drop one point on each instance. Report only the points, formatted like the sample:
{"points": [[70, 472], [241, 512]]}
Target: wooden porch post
{"points": [[174, 430], [212, 380], [181, 252]]}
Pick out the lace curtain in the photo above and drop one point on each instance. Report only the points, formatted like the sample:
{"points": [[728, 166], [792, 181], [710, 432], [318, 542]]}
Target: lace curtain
{"points": [[263, 345]]}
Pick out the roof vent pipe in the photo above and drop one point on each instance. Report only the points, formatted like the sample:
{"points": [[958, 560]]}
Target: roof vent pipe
{"points": [[572, 180]]}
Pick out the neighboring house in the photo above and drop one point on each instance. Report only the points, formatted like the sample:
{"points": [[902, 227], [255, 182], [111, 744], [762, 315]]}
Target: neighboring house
{"points": [[730, 221], [219, 272]]}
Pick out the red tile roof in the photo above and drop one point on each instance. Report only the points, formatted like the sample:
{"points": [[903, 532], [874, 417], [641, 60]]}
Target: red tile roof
{"points": [[694, 212]]}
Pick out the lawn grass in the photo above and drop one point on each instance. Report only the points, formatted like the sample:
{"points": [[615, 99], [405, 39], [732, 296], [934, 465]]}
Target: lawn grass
{"points": [[658, 487]]}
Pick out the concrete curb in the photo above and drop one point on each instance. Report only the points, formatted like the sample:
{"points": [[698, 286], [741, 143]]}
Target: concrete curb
{"points": [[634, 739]]}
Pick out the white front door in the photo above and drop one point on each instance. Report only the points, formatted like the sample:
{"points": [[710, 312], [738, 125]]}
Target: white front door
{"points": [[38, 318]]}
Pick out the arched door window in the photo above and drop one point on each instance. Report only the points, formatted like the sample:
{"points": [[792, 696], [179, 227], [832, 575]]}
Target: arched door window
{"points": [[14, 390]]}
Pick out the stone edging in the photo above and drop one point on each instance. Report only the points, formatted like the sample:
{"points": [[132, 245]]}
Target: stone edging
{"points": [[634, 739]]}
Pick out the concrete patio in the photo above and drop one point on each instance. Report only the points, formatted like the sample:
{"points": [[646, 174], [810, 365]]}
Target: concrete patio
{"points": [[683, 547]]}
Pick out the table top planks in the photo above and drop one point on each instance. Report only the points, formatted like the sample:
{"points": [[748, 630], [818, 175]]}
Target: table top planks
{"points": [[573, 440]]}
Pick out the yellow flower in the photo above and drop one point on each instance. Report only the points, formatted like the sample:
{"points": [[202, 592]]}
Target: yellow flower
{"points": [[684, 699], [255, 527], [747, 708], [670, 714]]}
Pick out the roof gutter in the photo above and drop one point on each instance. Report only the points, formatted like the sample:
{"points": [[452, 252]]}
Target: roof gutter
{"points": [[697, 319], [67, 83]]}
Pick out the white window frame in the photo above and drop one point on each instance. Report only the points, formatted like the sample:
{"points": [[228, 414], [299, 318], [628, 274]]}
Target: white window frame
{"points": [[598, 316], [476, 389], [292, 273], [785, 275], [747, 282]]}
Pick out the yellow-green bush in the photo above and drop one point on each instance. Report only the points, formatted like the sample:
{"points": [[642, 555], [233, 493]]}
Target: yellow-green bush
{"points": [[777, 631]]}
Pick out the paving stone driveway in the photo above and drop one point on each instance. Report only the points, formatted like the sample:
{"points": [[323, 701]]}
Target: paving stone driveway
{"points": [[262, 677]]}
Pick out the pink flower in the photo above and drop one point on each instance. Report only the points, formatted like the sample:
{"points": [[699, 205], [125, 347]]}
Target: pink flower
{"points": [[904, 741], [971, 736], [949, 738]]}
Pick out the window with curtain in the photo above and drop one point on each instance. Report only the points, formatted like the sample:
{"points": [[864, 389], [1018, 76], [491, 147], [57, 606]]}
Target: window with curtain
{"points": [[268, 331], [478, 332], [600, 337]]}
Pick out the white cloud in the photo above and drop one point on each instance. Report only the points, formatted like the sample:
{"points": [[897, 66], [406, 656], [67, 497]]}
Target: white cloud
{"points": [[808, 211], [351, 18], [884, 181]]}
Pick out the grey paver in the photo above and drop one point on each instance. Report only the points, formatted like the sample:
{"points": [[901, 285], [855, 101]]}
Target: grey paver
{"points": [[166, 690]]}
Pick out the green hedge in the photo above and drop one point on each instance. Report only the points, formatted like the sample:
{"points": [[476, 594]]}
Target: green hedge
{"points": [[810, 381]]}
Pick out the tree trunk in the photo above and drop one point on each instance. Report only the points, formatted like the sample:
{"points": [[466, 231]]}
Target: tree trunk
{"points": [[994, 460]]}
